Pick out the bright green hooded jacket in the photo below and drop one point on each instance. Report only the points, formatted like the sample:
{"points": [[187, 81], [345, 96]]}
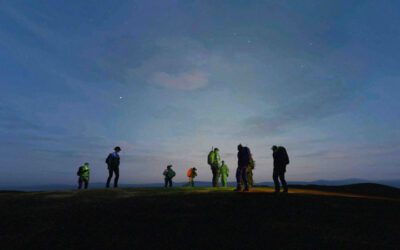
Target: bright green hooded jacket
{"points": [[215, 158], [84, 171], [224, 170]]}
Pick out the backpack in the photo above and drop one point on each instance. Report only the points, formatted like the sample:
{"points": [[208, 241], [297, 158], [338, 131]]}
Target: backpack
{"points": [[108, 159], [79, 171], [285, 155], [189, 172], [210, 158]]}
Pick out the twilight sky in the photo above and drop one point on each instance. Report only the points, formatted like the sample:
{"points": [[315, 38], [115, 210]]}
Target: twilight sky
{"points": [[167, 80]]}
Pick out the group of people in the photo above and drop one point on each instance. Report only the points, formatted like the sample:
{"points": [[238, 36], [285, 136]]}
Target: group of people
{"points": [[218, 168], [220, 171], [112, 161]]}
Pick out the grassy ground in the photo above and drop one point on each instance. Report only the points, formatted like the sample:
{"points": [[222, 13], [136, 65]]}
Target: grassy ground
{"points": [[199, 218]]}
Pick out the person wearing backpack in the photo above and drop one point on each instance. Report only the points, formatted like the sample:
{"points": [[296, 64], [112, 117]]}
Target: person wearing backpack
{"points": [[83, 173], [113, 161], [281, 159], [224, 172], [214, 160], [168, 175], [244, 158], [191, 174]]}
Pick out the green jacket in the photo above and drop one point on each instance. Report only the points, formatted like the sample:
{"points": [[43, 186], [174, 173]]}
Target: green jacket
{"points": [[169, 173], [215, 158], [224, 170], [84, 172]]}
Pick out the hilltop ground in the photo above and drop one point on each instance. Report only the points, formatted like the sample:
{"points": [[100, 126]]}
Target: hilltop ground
{"points": [[202, 218]]}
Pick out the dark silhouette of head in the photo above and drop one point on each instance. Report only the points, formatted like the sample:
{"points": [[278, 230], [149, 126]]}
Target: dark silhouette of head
{"points": [[274, 148], [117, 149], [194, 168], [223, 162], [169, 166], [216, 149], [86, 164], [239, 147]]}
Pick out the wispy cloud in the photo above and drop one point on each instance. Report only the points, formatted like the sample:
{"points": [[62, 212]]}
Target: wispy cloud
{"points": [[183, 81], [178, 63]]}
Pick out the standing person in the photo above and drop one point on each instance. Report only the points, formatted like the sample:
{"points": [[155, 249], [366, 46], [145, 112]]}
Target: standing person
{"points": [[281, 159], [169, 174], [83, 173], [191, 173], [113, 161], [249, 172], [224, 171], [214, 160], [244, 157]]}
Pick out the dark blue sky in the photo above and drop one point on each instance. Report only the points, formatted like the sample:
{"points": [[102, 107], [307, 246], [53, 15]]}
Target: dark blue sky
{"points": [[166, 80]]}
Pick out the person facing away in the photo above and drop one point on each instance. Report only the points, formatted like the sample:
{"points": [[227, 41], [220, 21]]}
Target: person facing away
{"points": [[191, 174], [281, 159], [83, 173], [168, 175], [113, 161], [224, 172], [214, 160], [244, 157]]}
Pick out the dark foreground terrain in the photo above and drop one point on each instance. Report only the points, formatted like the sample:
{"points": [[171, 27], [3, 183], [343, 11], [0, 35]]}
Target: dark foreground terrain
{"points": [[202, 218]]}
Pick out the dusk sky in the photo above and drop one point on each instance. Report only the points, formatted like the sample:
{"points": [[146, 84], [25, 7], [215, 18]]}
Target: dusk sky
{"points": [[167, 80]]}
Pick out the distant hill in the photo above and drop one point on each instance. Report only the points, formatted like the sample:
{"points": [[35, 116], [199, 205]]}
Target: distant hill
{"points": [[392, 183]]}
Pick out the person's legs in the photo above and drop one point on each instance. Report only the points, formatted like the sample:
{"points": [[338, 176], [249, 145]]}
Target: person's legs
{"points": [[80, 183], [283, 181], [276, 181], [86, 181], [166, 182], [244, 178], [215, 176], [191, 182], [250, 181], [116, 171], [238, 179], [224, 180], [170, 182], [110, 175]]}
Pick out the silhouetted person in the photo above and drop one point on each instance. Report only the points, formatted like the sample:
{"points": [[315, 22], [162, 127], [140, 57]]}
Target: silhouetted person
{"points": [[83, 173], [249, 172], [244, 158], [214, 160], [168, 174], [281, 159], [113, 161], [224, 172], [191, 174]]}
